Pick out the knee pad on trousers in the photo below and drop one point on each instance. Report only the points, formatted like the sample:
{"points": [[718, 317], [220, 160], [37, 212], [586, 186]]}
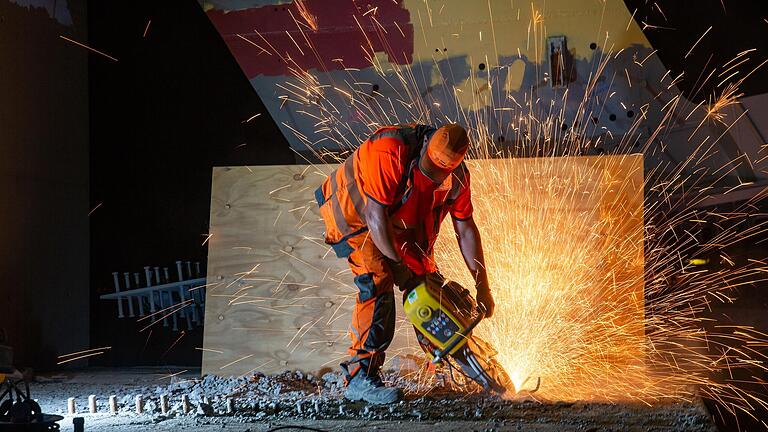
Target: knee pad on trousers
{"points": [[382, 328], [365, 285]]}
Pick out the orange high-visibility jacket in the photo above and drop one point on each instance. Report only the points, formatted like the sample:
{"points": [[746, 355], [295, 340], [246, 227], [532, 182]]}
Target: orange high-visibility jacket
{"points": [[379, 170]]}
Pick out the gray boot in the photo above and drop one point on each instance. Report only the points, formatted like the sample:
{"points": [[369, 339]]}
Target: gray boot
{"points": [[371, 390]]}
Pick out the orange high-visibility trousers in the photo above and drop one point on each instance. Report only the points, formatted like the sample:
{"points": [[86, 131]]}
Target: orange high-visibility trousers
{"points": [[373, 319]]}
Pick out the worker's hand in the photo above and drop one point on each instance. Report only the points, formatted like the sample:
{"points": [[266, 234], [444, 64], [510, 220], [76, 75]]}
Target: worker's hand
{"points": [[404, 278], [485, 298]]}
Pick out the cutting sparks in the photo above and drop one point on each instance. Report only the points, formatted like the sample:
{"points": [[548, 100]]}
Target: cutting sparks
{"points": [[598, 260]]}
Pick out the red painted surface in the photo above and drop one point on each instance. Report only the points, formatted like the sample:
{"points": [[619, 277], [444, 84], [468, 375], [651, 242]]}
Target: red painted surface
{"points": [[338, 35]]}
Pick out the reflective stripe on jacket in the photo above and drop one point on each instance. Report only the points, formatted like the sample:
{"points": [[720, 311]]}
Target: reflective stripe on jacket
{"points": [[343, 195]]}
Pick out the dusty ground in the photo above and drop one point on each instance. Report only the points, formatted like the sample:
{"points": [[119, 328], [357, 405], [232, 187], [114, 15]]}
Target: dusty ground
{"points": [[296, 399]]}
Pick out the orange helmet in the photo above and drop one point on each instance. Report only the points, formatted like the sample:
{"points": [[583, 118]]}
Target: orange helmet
{"points": [[445, 151]]}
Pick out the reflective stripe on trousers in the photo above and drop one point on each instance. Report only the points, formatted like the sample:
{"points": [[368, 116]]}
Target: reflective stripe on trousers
{"points": [[373, 319]]}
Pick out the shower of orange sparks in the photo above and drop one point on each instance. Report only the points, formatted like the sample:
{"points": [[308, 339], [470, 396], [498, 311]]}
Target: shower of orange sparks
{"points": [[173, 374], [681, 353], [183, 333], [85, 351], [80, 357], [94, 209], [730, 96], [146, 29], [88, 48], [173, 309], [67, 358], [304, 12]]}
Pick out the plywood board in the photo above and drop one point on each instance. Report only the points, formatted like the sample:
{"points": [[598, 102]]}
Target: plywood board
{"points": [[279, 299], [272, 298], [564, 251]]}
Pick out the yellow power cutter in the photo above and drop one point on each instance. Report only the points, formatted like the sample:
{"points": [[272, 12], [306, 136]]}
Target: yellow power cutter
{"points": [[444, 314]]}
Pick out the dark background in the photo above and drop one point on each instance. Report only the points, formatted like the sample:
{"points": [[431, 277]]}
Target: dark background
{"points": [[136, 139], [44, 288], [174, 106], [134, 142], [676, 25], [171, 109]]}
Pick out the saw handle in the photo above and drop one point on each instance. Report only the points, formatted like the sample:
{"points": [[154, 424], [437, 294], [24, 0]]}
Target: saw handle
{"points": [[440, 354]]}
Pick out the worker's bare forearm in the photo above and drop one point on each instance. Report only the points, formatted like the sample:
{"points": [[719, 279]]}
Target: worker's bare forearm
{"points": [[380, 229], [471, 247]]}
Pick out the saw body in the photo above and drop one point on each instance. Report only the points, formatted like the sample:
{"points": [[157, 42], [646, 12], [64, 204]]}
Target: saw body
{"points": [[444, 315]]}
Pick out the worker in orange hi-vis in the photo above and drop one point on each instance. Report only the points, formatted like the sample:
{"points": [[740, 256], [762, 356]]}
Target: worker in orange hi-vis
{"points": [[382, 210]]}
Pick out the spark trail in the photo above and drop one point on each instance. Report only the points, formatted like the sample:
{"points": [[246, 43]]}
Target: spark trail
{"points": [[604, 302]]}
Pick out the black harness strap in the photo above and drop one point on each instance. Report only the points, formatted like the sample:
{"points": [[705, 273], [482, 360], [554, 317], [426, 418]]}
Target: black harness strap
{"points": [[352, 189], [412, 136]]}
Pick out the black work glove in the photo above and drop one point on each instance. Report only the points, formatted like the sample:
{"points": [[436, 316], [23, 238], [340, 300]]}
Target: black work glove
{"points": [[404, 278], [485, 298]]}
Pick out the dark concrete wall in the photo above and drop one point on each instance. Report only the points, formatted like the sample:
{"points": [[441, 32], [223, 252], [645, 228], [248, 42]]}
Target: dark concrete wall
{"points": [[676, 25], [43, 180], [173, 107]]}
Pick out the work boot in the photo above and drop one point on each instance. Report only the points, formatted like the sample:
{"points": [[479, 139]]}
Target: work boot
{"points": [[371, 390]]}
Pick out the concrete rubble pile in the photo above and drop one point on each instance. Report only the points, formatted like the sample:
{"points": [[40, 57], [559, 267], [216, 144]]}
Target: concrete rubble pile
{"points": [[294, 396]]}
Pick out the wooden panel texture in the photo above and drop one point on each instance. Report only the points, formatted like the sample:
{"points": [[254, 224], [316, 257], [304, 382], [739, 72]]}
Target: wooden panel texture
{"points": [[553, 229], [277, 296], [273, 300]]}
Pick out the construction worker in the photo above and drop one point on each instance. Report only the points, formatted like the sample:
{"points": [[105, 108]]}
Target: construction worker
{"points": [[382, 210]]}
